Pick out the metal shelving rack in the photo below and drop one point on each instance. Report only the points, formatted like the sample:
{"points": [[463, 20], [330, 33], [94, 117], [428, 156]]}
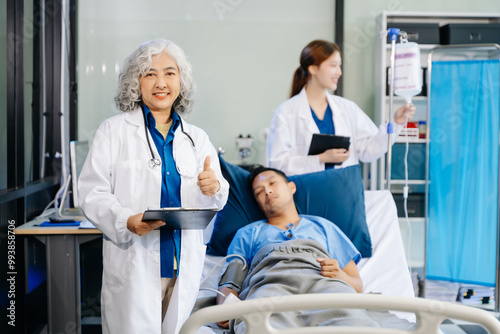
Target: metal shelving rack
{"points": [[382, 51]]}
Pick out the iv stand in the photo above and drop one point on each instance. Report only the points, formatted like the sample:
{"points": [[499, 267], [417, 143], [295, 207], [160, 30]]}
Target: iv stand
{"points": [[393, 34]]}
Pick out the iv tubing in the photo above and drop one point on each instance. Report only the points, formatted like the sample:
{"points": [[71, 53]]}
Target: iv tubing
{"points": [[405, 195], [223, 259], [213, 290]]}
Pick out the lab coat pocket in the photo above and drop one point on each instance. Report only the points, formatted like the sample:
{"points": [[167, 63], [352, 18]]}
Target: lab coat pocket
{"points": [[300, 150], [303, 142], [116, 265], [192, 260], [128, 182], [186, 163]]}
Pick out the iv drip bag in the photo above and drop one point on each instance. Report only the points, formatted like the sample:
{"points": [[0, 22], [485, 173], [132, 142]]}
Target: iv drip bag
{"points": [[407, 70]]}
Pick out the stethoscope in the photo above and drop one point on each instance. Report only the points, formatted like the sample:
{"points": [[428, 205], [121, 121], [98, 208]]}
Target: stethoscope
{"points": [[155, 163]]}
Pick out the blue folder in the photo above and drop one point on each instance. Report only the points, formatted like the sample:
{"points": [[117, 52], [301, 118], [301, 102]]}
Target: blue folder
{"points": [[47, 223]]}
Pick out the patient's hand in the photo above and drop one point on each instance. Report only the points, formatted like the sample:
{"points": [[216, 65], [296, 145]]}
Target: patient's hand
{"points": [[220, 300], [329, 267]]}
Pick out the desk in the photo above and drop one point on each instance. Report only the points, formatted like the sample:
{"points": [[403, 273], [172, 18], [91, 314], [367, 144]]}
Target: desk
{"points": [[62, 246]]}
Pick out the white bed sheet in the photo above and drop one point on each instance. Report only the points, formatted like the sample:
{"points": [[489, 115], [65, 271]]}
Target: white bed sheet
{"points": [[386, 272]]}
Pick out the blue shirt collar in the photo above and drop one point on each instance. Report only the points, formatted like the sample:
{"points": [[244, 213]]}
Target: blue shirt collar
{"points": [[151, 122]]}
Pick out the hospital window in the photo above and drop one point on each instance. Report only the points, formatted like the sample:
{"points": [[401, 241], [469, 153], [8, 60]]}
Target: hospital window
{"points": [[30, 85], [30, 40]]}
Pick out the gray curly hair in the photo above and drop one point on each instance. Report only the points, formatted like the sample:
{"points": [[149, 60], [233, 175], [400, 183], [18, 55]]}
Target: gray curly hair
{"points": [[128, 95]]}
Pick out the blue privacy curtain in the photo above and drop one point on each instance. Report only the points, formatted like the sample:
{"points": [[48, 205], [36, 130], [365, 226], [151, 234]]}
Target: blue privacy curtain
{"points": [[463, 171]]}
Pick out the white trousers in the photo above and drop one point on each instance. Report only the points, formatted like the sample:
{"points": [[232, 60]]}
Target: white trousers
{"points": [[167, 286]]}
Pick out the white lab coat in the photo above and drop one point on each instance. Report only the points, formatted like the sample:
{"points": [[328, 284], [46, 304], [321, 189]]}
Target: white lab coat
{"points": [[293, 126], [117, 182]]}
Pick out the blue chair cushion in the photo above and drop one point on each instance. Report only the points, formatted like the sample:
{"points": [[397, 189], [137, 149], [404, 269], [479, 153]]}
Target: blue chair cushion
{"points": [[335, 194]]}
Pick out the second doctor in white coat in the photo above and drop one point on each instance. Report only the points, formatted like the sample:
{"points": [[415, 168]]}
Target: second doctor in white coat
{"points": [[120, 180], [311, 106]]}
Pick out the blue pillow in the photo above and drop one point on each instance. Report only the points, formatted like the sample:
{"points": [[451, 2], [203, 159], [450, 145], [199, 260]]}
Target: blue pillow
{"points": [[241, 209], [337, 195], [340, 201]]}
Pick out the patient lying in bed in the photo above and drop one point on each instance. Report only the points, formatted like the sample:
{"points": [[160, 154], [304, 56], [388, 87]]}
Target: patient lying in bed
{"points": [[290, 253]]}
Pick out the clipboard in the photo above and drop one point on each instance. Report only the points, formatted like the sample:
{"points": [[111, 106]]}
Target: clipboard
{"points": [[321, 142], [181, 218]]}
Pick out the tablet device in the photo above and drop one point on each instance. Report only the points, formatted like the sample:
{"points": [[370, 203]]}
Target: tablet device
{"points": [[321, 142], [181, 218]]}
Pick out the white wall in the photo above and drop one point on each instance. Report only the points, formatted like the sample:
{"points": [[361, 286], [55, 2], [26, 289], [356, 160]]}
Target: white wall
{"points": [[243, 54]]}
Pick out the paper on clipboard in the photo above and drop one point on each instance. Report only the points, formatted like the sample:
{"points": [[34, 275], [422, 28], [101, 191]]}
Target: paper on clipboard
{"points": [[321, 142], [181, 218]]}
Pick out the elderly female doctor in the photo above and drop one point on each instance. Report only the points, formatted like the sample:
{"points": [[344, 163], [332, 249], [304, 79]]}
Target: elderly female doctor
{"points": [[149, 157], [311, 109]]}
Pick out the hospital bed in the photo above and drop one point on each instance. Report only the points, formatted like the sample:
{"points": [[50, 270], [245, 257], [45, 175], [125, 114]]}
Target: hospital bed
{"points": [[256, 313], [386, 281]]}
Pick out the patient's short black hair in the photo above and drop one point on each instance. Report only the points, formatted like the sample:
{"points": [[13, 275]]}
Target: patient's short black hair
{"points": [[260, 169]]}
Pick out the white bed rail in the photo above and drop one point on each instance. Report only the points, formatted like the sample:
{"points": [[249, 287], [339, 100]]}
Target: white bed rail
{"points": [[430, 313]]}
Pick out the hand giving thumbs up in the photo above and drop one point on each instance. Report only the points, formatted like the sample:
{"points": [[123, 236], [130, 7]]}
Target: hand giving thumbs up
{"points": [[207, 181]]}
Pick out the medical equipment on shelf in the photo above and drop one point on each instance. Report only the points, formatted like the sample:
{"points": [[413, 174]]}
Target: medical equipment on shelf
{"points": [[221, 151], [410, 130], [155, 162], [244, 145], [422, 129]]}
